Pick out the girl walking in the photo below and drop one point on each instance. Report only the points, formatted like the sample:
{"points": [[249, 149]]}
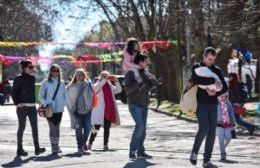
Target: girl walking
{"points": [[225, 123], [53, 93]]}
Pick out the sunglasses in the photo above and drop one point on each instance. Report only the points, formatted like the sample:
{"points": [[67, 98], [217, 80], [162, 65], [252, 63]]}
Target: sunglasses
{"points": [[31, 67], [55, 70]]}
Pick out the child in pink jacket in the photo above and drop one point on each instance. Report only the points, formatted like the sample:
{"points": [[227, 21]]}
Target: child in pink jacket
{"points": [[130, 52]]}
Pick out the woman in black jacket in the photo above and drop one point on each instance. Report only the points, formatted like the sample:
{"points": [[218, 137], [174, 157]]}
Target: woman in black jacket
{"points": [[23, 94]]}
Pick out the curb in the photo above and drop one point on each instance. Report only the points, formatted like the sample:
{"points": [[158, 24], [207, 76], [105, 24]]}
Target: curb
{"points": [[171, 114]]}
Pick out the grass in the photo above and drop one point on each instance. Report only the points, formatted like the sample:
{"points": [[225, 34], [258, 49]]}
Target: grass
{"points": [[255, 97], [251, 113], [173, 109]]}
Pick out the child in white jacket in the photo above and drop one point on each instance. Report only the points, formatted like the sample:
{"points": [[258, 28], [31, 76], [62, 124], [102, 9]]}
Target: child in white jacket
{"points": [[206, 72]]}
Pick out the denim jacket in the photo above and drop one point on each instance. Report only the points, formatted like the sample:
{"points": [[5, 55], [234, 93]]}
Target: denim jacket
{"points": [[47, 91], [230, 112]]}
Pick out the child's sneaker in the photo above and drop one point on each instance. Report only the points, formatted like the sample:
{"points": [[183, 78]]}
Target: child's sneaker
{"points": [[89, 146], [85, 147], [223, 156], [132, 155]]}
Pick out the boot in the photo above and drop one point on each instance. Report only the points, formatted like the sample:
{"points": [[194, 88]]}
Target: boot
{"points": [[39, 150], [21, 152]]}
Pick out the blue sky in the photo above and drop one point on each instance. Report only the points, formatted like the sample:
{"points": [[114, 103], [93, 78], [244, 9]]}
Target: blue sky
{"points": [[71, 26]]}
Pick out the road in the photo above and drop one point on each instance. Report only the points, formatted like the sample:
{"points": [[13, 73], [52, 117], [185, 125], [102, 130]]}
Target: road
{"points": [[169, 140]]}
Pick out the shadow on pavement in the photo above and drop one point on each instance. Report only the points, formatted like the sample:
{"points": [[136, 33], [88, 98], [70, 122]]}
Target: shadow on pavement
{"points": [[170, 135], [17, 162], [139, 163], [101, 150], [76, 154], [229, 161], [47, 158]]}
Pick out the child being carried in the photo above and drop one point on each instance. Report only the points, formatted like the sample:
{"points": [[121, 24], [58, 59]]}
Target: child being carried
{"points": [[206, 72]]}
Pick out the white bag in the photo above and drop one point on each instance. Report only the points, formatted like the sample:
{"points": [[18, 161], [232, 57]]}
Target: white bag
{"points": [[188, 102], [45, 112]]}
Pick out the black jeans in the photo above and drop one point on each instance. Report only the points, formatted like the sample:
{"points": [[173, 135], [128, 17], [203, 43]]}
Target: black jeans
{"points": [[207, 120], [22, 113], [93, 135]]}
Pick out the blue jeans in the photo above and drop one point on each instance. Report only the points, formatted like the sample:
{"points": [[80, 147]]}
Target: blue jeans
{"points": [[139, 115], [207, 120], [83, 127]]}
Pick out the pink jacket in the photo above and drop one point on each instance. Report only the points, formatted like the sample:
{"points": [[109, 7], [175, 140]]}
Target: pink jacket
{"points": [[128, 62]]}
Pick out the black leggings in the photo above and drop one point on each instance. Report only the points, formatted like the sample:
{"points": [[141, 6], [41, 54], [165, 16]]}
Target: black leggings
{"points": [[93, 135], [22, 113]]}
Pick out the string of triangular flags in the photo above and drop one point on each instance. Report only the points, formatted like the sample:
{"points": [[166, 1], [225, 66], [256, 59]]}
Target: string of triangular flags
{"points": [[114, 57], [82, 60], [102, 45]]}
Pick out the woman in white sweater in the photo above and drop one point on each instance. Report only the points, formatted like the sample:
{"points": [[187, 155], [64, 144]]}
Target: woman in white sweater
{"points": [[106, 112]]}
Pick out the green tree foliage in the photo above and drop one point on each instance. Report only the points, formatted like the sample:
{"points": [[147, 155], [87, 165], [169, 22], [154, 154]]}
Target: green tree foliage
{"points": [[195, 24], [19, 23]]}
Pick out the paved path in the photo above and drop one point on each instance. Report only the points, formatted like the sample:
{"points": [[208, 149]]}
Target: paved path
{"points": [[169, 140]]}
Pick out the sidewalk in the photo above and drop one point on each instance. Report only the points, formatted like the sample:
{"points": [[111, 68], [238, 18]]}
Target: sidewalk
{"points": [[169, 140]]}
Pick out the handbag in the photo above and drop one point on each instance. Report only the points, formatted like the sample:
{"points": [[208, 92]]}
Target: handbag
{"points": [[95, 98], [46, 111], [188, 102]]}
